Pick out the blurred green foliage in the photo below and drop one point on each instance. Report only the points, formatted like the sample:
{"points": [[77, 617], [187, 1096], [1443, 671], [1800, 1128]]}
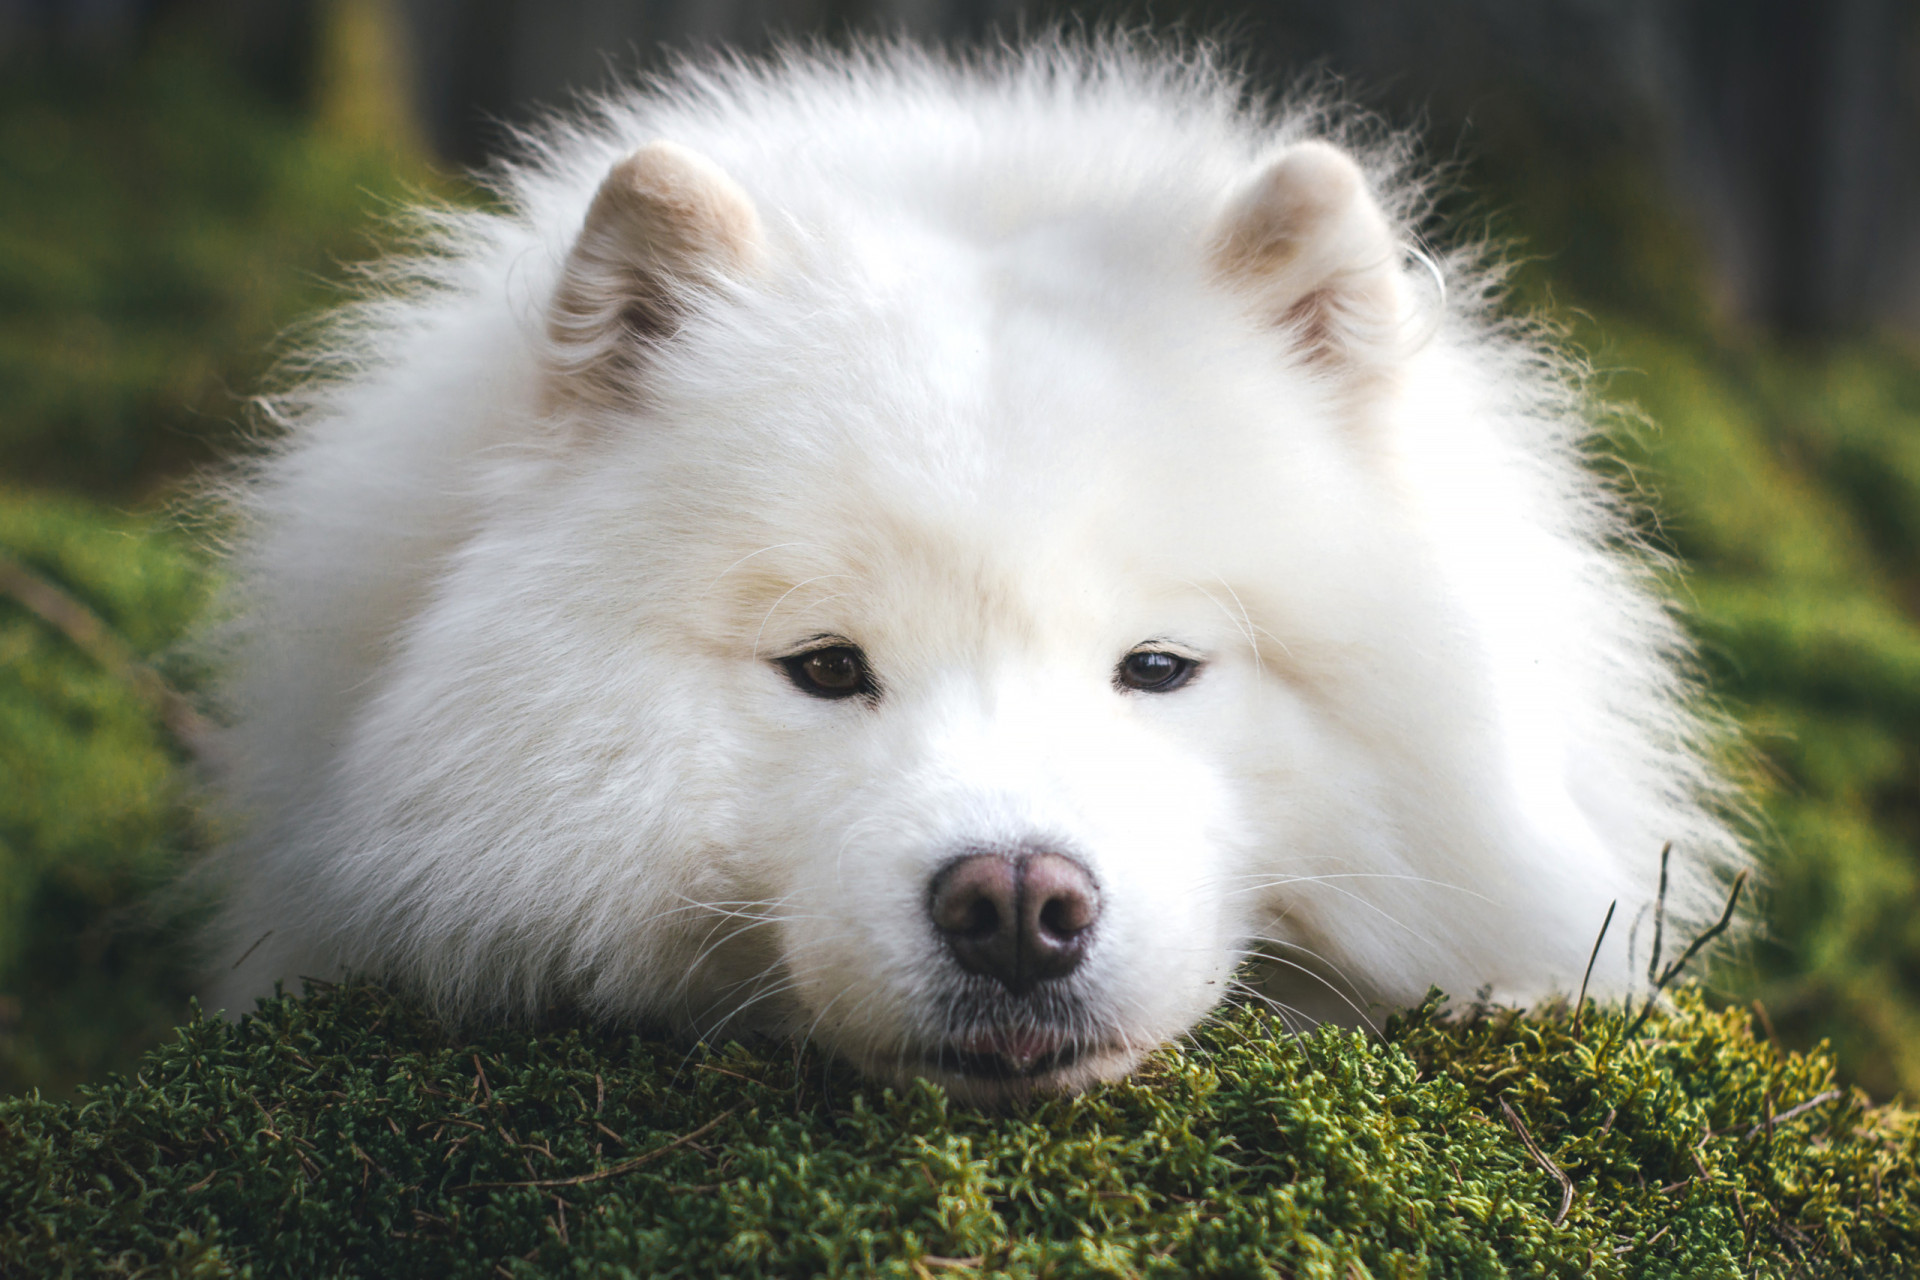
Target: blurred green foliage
{"points": [[1792, 487], [94, 800], [160, 225], [1787, 477]]}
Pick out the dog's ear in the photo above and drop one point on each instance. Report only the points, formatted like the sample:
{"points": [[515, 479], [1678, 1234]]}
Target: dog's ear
{"points": [[1307, 244], [665, 223]]}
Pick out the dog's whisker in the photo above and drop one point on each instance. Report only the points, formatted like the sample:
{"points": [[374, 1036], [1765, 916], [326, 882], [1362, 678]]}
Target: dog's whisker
{"points": [[778, 546], [1348, 1000], [774, 607], [1245, 621], [715, 939], [1380, 911], [1295, 1021], [737, 1011], [1332, 967], [1285, 881]]}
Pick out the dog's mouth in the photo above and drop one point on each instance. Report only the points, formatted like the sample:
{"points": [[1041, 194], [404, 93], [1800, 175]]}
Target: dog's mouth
{"points": [[1010, 1053]]}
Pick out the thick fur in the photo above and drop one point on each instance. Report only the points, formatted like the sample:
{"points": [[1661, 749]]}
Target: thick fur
{"points": [[1000, 372]]}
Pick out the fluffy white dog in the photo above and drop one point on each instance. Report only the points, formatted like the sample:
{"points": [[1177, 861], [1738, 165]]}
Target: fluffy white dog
{"points": [[952, 561]]}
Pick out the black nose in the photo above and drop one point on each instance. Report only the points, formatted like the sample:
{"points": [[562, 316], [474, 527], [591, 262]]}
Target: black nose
{"points": [[1018, 920]]}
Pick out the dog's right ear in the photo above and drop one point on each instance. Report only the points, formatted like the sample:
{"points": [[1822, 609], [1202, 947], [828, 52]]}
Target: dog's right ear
{"points": [[1307, 244], [665, 223]]}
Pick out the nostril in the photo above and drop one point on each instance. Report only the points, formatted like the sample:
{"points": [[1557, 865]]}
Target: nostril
{"points": [[973, 897], [1064, 901], [1065, 916], [982, 920]]}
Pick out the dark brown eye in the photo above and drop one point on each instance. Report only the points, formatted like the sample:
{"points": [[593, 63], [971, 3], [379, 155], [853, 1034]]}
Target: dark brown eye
{"points": [[838, 671], [1154, 671]]}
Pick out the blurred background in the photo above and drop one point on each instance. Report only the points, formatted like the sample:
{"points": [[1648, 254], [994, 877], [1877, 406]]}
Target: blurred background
{"points": [[1720, 199]]}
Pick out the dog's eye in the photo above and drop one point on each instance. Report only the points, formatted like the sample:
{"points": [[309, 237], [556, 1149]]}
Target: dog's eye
{"points": [[838, 671], [1154, 671]]}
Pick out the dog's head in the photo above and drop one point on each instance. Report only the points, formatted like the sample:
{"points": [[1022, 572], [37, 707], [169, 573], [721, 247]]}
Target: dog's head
{"points": [[959, 639]]}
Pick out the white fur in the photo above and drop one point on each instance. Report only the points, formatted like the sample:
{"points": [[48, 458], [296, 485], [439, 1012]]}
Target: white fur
{"points": [[505, 720]]}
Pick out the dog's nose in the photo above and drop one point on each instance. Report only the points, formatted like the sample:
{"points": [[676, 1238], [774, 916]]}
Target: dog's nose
{"points": [[1018, 920]]}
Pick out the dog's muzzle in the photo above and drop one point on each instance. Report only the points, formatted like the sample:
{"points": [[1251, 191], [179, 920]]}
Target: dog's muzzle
{"points": [[1023, 923]]}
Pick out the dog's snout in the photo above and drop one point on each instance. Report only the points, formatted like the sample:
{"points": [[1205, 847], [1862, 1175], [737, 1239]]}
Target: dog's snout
{"points": [[1018, 920]]}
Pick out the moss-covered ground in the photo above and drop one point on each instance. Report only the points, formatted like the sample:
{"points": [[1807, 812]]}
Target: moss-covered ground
{"points": [[349, 1134]]}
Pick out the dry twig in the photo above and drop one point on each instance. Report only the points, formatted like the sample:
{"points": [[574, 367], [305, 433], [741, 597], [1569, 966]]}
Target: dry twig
{"points": [[1540, 1158], [1672, 971], [1659, 914], [614, 1171], [1791, 1113], [88, 633], [1580, 1005]]}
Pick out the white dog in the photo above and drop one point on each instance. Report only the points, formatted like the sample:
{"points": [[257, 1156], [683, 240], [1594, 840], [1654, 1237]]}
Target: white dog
{"points": [[953, 562]]}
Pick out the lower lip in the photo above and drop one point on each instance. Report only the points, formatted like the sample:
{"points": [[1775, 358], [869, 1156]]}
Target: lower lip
{"points": [[1009, 1055]]}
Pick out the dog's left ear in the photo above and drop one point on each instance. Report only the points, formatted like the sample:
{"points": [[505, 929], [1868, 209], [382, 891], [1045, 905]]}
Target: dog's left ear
{"points": [[666, 224], [1307, 244]]}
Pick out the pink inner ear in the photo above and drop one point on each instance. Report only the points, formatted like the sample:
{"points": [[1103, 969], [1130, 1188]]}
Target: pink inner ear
{"points": [[1312, 250], [664, 220], [1309, 320], [1363, 320]]}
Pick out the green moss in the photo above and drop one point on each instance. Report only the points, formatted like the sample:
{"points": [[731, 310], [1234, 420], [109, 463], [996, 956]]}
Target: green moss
{"points": [[349, 1133]]}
